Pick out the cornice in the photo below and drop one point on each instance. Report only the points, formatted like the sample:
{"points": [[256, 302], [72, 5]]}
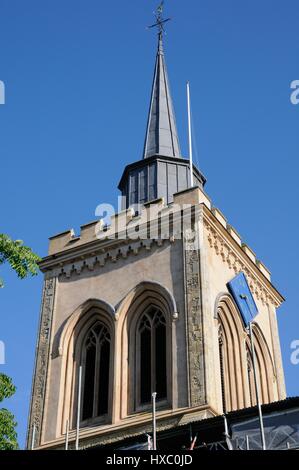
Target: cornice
{"points": [[90, 259], [132, 426]]}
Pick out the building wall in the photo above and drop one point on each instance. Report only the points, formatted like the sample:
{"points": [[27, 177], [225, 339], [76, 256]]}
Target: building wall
{"points": [[111, 284], [219, 272], [193, 281]]}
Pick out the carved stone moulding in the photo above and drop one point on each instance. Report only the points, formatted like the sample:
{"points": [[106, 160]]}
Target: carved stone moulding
{"points": [[110, 255], [232, 258], [42, 357]]}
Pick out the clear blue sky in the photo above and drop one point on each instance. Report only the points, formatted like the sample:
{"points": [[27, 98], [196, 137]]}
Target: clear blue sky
{"points": [[78, 76]]}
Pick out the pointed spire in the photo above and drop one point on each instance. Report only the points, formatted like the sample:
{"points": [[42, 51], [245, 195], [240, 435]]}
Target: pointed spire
{"points": [[161, 135]]}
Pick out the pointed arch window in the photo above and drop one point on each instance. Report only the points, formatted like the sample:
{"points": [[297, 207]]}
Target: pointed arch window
{"points": [[95, 377], [151, 357], [232, 357], [264, 368], [235, 361]]}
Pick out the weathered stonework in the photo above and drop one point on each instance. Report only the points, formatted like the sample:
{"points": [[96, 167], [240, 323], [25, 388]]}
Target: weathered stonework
{"points": [[113, 255], [194, 323], [187, 269], [231, 257], [90, 438], [42, 360]]}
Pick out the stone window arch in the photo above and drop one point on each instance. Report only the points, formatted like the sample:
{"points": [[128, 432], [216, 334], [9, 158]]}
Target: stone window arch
{"points": [[232, 357], [93, 350], [95, 359], [264, 366], [235, 359], [86, 339], [150, 357], [157, 303]]}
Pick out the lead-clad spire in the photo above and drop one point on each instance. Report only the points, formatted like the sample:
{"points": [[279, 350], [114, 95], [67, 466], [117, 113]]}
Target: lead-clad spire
{"points": [[163, 171], [161, 134]]}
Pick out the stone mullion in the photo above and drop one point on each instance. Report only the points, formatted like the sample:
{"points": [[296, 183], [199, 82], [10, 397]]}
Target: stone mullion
{"points": [[97, 379]]}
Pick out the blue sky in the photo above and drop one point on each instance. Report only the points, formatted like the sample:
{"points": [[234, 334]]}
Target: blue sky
{"points": [[78, 77]]}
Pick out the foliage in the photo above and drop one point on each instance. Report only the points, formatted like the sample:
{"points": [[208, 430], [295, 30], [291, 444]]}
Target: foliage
{"points": [[7, 388], [24, 262], [8, 435], [20, 257]]}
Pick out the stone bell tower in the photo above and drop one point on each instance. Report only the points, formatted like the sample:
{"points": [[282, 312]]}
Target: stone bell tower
{"points": [[143, 306]]}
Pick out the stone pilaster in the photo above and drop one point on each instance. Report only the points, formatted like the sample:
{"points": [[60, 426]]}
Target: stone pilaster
{"points": [[41, 363], [194, 319]]}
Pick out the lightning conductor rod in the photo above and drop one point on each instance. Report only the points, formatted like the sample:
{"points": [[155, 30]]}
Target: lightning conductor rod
{"points": [[190, 135], [258, 402], [154, 395]]}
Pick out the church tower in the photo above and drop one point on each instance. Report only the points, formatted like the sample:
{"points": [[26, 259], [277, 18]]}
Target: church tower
{"points": [[143, 305]]}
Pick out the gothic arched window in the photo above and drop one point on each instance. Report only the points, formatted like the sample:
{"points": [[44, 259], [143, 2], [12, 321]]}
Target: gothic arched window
{"points": [[95, 373], [235, 361], [232, 365], [151, 357], [264, 368]]}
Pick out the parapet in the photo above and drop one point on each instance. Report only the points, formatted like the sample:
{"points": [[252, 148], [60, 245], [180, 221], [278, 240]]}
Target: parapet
{"points": [[128, 222]]}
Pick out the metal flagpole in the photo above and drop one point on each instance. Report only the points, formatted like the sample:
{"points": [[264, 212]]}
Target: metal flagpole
{"points": [[154, 395], [190, 135], [79, 408], [257, 388], [33, 437], [67, 435]]}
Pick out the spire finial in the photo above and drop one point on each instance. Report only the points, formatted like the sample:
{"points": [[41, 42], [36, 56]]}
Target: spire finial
{"points": [[161, 133], [160, 21]]}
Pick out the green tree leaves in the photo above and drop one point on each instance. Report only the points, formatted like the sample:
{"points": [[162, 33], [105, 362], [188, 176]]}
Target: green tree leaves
{"points": [[20, 257], [7, 388], [8, 435], [24, 262]]}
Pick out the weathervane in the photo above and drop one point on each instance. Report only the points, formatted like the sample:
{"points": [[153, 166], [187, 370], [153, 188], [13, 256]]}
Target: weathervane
{"points": [[160, 21]]}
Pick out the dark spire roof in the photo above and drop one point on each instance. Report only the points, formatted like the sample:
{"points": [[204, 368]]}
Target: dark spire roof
{"points": [[161, 134], [163, 171]]}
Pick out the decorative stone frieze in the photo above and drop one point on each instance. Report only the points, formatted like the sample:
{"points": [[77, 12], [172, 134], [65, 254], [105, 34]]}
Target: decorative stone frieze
{"points": [[194, 323], [111, 255], [42, 360], [237, 263]]}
